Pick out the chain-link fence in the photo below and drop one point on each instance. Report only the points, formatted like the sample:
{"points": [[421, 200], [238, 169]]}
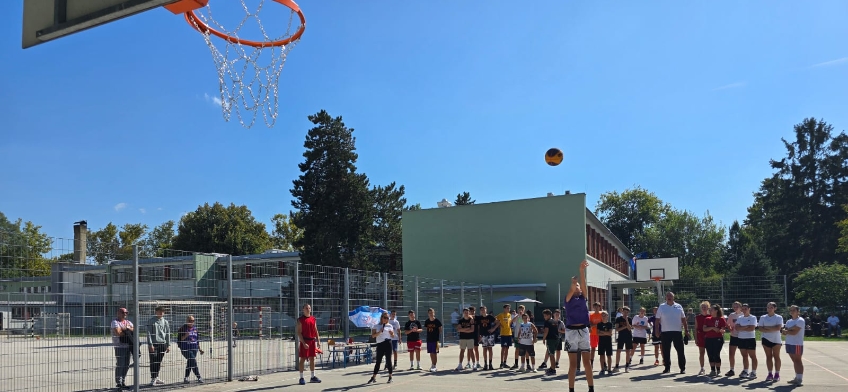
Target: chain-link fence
{"points": [[66, 313]]}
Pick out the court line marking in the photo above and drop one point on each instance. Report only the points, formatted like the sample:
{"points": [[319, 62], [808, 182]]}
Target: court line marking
{"points": [[824, 368]]}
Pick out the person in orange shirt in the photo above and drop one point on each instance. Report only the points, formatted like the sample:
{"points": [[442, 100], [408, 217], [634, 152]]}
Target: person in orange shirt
{"points": [[595, 318]]}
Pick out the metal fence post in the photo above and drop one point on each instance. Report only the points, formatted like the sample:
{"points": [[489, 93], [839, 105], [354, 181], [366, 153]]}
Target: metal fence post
{"points": [[230, 315], [415, 298], [345, 320], [297, 289], [138, 320], [442, 305], [386, 291], [721, 283], [480, 288], [461, 295], [785, 292]]}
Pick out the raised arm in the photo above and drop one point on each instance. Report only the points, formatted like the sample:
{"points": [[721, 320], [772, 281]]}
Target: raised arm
{"points": [[583, 284]]}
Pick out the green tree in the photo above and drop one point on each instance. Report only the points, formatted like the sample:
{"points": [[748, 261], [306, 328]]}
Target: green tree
{"points": [[285, 234], [464, 199], [412, 207], [102, 245], [22, 249], [131, 234], [822, 285], [630, 213], [218, 229], [796, 210], [843, 229], [159, 240], [386, 232], [334, 200]]}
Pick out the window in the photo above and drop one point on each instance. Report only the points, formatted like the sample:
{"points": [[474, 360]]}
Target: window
{"points": [[124, 275], [93, 280], [181, 272], [22, 313], [152, 274]]}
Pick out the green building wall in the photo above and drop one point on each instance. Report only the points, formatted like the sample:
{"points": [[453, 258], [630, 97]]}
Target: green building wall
{"points": [[527, 241]]}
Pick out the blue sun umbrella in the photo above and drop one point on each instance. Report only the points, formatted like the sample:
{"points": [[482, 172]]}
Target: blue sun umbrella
{"points": [[365, 316]]}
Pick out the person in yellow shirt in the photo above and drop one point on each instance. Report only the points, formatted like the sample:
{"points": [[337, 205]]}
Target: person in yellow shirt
{"points": [[504, 320]]}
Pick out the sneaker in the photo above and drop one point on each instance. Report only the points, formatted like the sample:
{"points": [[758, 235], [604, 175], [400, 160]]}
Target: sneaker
{"points": [[533, 370], [303, 382], [550, 372], [713, 373], [514, 367], [656, 363], [666, 371], [682, 371], [769, 378], [777, 377], [503, 366], [186, 381], [743, 374], [159, 382], [615, 369], [418, 367], [521, 369], [641, 361], [459, 368], [411, 367], [468, 365], [390, 380], [529, 369], [752, 376], [433, 369], [730, 373], [702, 372], [370, 381], [543, 366], [199, 380]]}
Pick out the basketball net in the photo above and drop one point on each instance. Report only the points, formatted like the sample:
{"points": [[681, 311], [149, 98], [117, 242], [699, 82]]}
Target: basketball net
{"points": [[248, 71]]}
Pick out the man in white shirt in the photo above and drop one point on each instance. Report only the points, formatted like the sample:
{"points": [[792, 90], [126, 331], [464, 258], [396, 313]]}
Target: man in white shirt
{"points": [[671, 320], [833, 327]]}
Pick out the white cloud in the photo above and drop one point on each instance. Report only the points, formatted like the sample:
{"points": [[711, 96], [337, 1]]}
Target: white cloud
{"points": [[159, 209], [214, 100], [730, 86], [142, 210], [120, 206], [843, 60]]}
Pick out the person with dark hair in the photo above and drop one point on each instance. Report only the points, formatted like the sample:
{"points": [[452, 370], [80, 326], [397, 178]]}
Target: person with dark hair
{"points": [[714, 326], [187, 341], [434, 333], [794, 332], [577, 328], [413, 340], [770, 325], [383, 333], [746, 325], [306, 332], [158, 343], [671, 320]]}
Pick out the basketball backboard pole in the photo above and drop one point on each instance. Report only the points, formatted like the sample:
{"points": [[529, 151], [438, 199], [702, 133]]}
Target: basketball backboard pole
{"points": [[46, 20]]}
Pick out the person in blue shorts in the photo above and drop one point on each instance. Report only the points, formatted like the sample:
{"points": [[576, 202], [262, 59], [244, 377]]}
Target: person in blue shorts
{"points": [[434, 332]]}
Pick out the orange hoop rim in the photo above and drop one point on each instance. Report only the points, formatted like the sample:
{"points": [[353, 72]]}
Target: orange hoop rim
{"points": [[204, 28]]}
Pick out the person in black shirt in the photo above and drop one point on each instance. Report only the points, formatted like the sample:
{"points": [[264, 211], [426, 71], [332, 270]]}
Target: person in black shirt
{"points": [[434, 332], [624, 326], [466, 337], [412, 329], [605, 329], [486, 324], [551, 338], [474, 355]]}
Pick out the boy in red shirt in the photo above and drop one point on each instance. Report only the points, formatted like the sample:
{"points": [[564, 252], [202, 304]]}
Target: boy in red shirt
{"points": [[306, 332]]}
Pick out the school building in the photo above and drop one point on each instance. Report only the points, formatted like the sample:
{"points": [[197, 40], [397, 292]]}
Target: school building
{"points": [[529, 247]]}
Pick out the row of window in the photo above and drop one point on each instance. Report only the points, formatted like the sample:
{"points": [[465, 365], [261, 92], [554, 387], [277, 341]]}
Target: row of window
{"points": [[34, 290], [187, 272]]}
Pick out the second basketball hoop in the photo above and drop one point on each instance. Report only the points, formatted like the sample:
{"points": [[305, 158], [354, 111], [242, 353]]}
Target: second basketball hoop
{"points": [[248, 69]]}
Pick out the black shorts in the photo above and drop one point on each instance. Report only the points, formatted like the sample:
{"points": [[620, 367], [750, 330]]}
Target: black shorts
{"points": [[768, 343], [640, 340], [625, 343], [605, 346], [526, 349], [734, 341], [745, 344]]}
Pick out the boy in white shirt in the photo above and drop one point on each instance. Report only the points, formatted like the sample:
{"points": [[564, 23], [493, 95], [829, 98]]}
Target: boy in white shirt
{"points": [[641, 326]]}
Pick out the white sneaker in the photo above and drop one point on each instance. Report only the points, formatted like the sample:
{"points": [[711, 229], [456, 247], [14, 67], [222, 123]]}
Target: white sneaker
{"points": [[433, 369], [159, 382], [200, 380], [533, 370], [521, 369], [459, 367]]}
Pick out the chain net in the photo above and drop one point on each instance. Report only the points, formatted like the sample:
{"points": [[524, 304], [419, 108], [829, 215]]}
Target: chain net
{"points": [[248, 76]]}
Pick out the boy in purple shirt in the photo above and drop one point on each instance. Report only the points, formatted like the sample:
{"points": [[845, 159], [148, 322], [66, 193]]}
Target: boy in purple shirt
{"points": [[577, 329]]}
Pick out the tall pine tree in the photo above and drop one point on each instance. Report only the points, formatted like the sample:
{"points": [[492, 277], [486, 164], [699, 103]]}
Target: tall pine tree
{"points": [[334, 201]]}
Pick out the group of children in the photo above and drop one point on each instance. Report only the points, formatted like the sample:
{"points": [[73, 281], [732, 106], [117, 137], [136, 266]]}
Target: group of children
{"points": [[582, 334]]}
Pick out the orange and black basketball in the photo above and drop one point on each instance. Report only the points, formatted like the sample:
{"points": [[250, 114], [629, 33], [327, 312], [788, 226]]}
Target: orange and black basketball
{"points": [[553, 157]]}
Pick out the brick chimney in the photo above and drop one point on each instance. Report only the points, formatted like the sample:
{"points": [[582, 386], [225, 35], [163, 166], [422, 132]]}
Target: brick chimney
{"points": [[80, 243]]}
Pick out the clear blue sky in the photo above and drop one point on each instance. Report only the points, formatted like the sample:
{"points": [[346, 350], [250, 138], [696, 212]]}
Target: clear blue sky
{"points": [[687, 99]]}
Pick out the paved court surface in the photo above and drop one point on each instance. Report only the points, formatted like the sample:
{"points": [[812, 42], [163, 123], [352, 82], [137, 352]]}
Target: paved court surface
{"points": [[826, 369]]}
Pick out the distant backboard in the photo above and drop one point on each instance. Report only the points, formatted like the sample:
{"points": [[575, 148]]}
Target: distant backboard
{"points": [[46, 20], [664, 269]]}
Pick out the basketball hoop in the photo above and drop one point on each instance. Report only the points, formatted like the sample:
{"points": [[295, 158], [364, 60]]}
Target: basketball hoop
{"points": [[248, 71]]}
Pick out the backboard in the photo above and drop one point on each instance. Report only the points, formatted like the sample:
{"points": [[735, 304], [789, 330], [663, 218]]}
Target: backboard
{"points": [[46, 20], [662, 269]]}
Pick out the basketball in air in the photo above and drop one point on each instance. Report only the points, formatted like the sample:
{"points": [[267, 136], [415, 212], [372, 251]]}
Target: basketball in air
{"points": [[553, 157]]}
